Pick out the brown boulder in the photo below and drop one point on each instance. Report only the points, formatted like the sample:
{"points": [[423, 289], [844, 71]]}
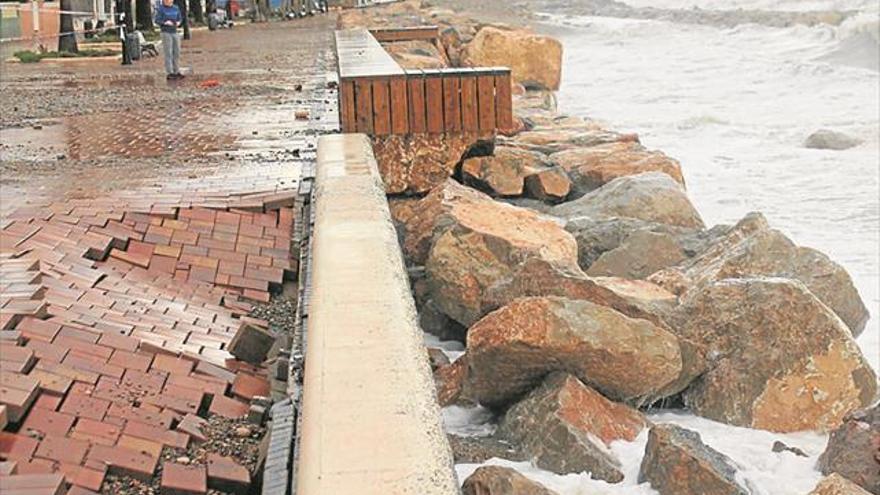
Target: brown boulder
{"points": [[497, 480], [477, 450], [591, 169], [503, 173], [853, 450], [559, 426], [677, 462], [452, 382], [534, 60], [416, 163], [416, 54], [511, 350], [639, 256], [650, 196], [835, 484], [551, 185], [776, 357], [752, 249]]}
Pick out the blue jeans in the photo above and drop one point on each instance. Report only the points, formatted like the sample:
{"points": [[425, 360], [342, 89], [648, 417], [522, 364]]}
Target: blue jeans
{"points": [[171, 50]]}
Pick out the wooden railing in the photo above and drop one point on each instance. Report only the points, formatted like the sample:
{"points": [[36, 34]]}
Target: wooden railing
{"points": [[377, 97], [417, 33]]}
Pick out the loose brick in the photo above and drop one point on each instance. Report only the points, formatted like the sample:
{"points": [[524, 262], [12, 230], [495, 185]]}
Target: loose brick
{"points": [[172, 365], [178, 479], [48, 422], [34, 329], [146, 431], [96, 431], [248, 386], [226, 475], [124, 461], [32, 484], [130, 360], [228, 407], [119, 342], [60, 449], [47, 401], [141, 445], [84, 479], [85, 406], [36, 466], [16, 447]]}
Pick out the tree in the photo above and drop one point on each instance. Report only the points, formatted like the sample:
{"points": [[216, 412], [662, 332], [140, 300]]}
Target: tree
{"points": [[144, 15], [181, 4], [67, 40], [195, 10]]}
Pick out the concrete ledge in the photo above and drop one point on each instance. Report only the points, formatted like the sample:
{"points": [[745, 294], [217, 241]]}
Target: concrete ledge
{"points": [[370, 420]]}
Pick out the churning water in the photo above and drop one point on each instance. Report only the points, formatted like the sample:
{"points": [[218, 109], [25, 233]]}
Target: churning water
{"points": [[734, 105]]}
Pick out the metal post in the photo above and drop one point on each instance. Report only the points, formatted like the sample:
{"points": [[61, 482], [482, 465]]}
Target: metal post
{"points": [[126, 56], [35, 13]]}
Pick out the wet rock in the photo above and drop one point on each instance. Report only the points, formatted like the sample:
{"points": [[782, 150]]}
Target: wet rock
{"points": [[835, 484], [477, 450], [553, 426], [435, 322], [414, 164], [853, 450], [782, 447], [534, 60], [551, 185], [416, 54], [511, 350], [825, 139], [591, 168], [752, 248], [552, 141], [639, 256], [497, 480], [504, 173], [531, 100], [677, 462], [436, 358], [452, 382], [651, 196], [776, 358]]}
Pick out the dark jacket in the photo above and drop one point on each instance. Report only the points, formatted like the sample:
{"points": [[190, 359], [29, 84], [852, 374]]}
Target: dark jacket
{"points": [[164, 14]]}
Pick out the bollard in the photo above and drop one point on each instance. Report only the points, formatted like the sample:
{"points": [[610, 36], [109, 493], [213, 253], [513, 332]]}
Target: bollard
{"points": [[126, 56]]}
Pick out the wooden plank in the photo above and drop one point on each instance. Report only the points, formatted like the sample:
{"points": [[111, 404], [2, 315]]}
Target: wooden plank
{"points": [[399, 106], [503, 101], [347, 113], [381, 107], [418, 116], [486, 97], [364, 105], [451, 101], [434, 101], [469, 106]]}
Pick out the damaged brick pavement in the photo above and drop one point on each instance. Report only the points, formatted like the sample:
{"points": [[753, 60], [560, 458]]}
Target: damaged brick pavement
{"points": [[140, 226]]}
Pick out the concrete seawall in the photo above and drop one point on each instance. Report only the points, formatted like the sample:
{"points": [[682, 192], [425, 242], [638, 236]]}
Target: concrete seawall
{"points": [[371, 423]]}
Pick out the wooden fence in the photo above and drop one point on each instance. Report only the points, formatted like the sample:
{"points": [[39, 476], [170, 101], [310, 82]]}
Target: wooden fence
{"points": [[377, 97]]}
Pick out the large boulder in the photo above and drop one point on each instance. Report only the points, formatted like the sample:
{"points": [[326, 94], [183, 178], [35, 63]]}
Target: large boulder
{"points": [[776, 358], [651, 196], [480, 254], [639, 256], [497, 480], [596, 236], [534, 60], [836, 484], [551, 185], [677, 462], [452, 382], [853, 450], [592, 168], [553, 140], [561, 426], [503, 173], [511, 350], [415, 164], [479, 449], [752, 248], [825, 139]]}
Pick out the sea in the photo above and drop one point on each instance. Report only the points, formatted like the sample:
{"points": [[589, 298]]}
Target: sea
{"points": [[733, 97]]}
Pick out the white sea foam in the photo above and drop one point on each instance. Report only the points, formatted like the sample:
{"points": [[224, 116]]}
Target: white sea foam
{"points": [[734, 106]]}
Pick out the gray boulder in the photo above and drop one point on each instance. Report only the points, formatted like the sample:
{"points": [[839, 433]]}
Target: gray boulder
{"points": [[677, 462], [825, 139], [650, 196]]}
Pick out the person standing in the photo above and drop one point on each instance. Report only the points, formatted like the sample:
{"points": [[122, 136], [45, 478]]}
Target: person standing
{"points": [[168, 17]]}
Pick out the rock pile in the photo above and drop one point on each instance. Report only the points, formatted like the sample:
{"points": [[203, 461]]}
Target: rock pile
{"points": [[586, 285]]}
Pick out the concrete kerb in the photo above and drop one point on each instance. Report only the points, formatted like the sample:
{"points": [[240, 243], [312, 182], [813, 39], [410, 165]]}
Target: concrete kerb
{"points": [[370, 419]]}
